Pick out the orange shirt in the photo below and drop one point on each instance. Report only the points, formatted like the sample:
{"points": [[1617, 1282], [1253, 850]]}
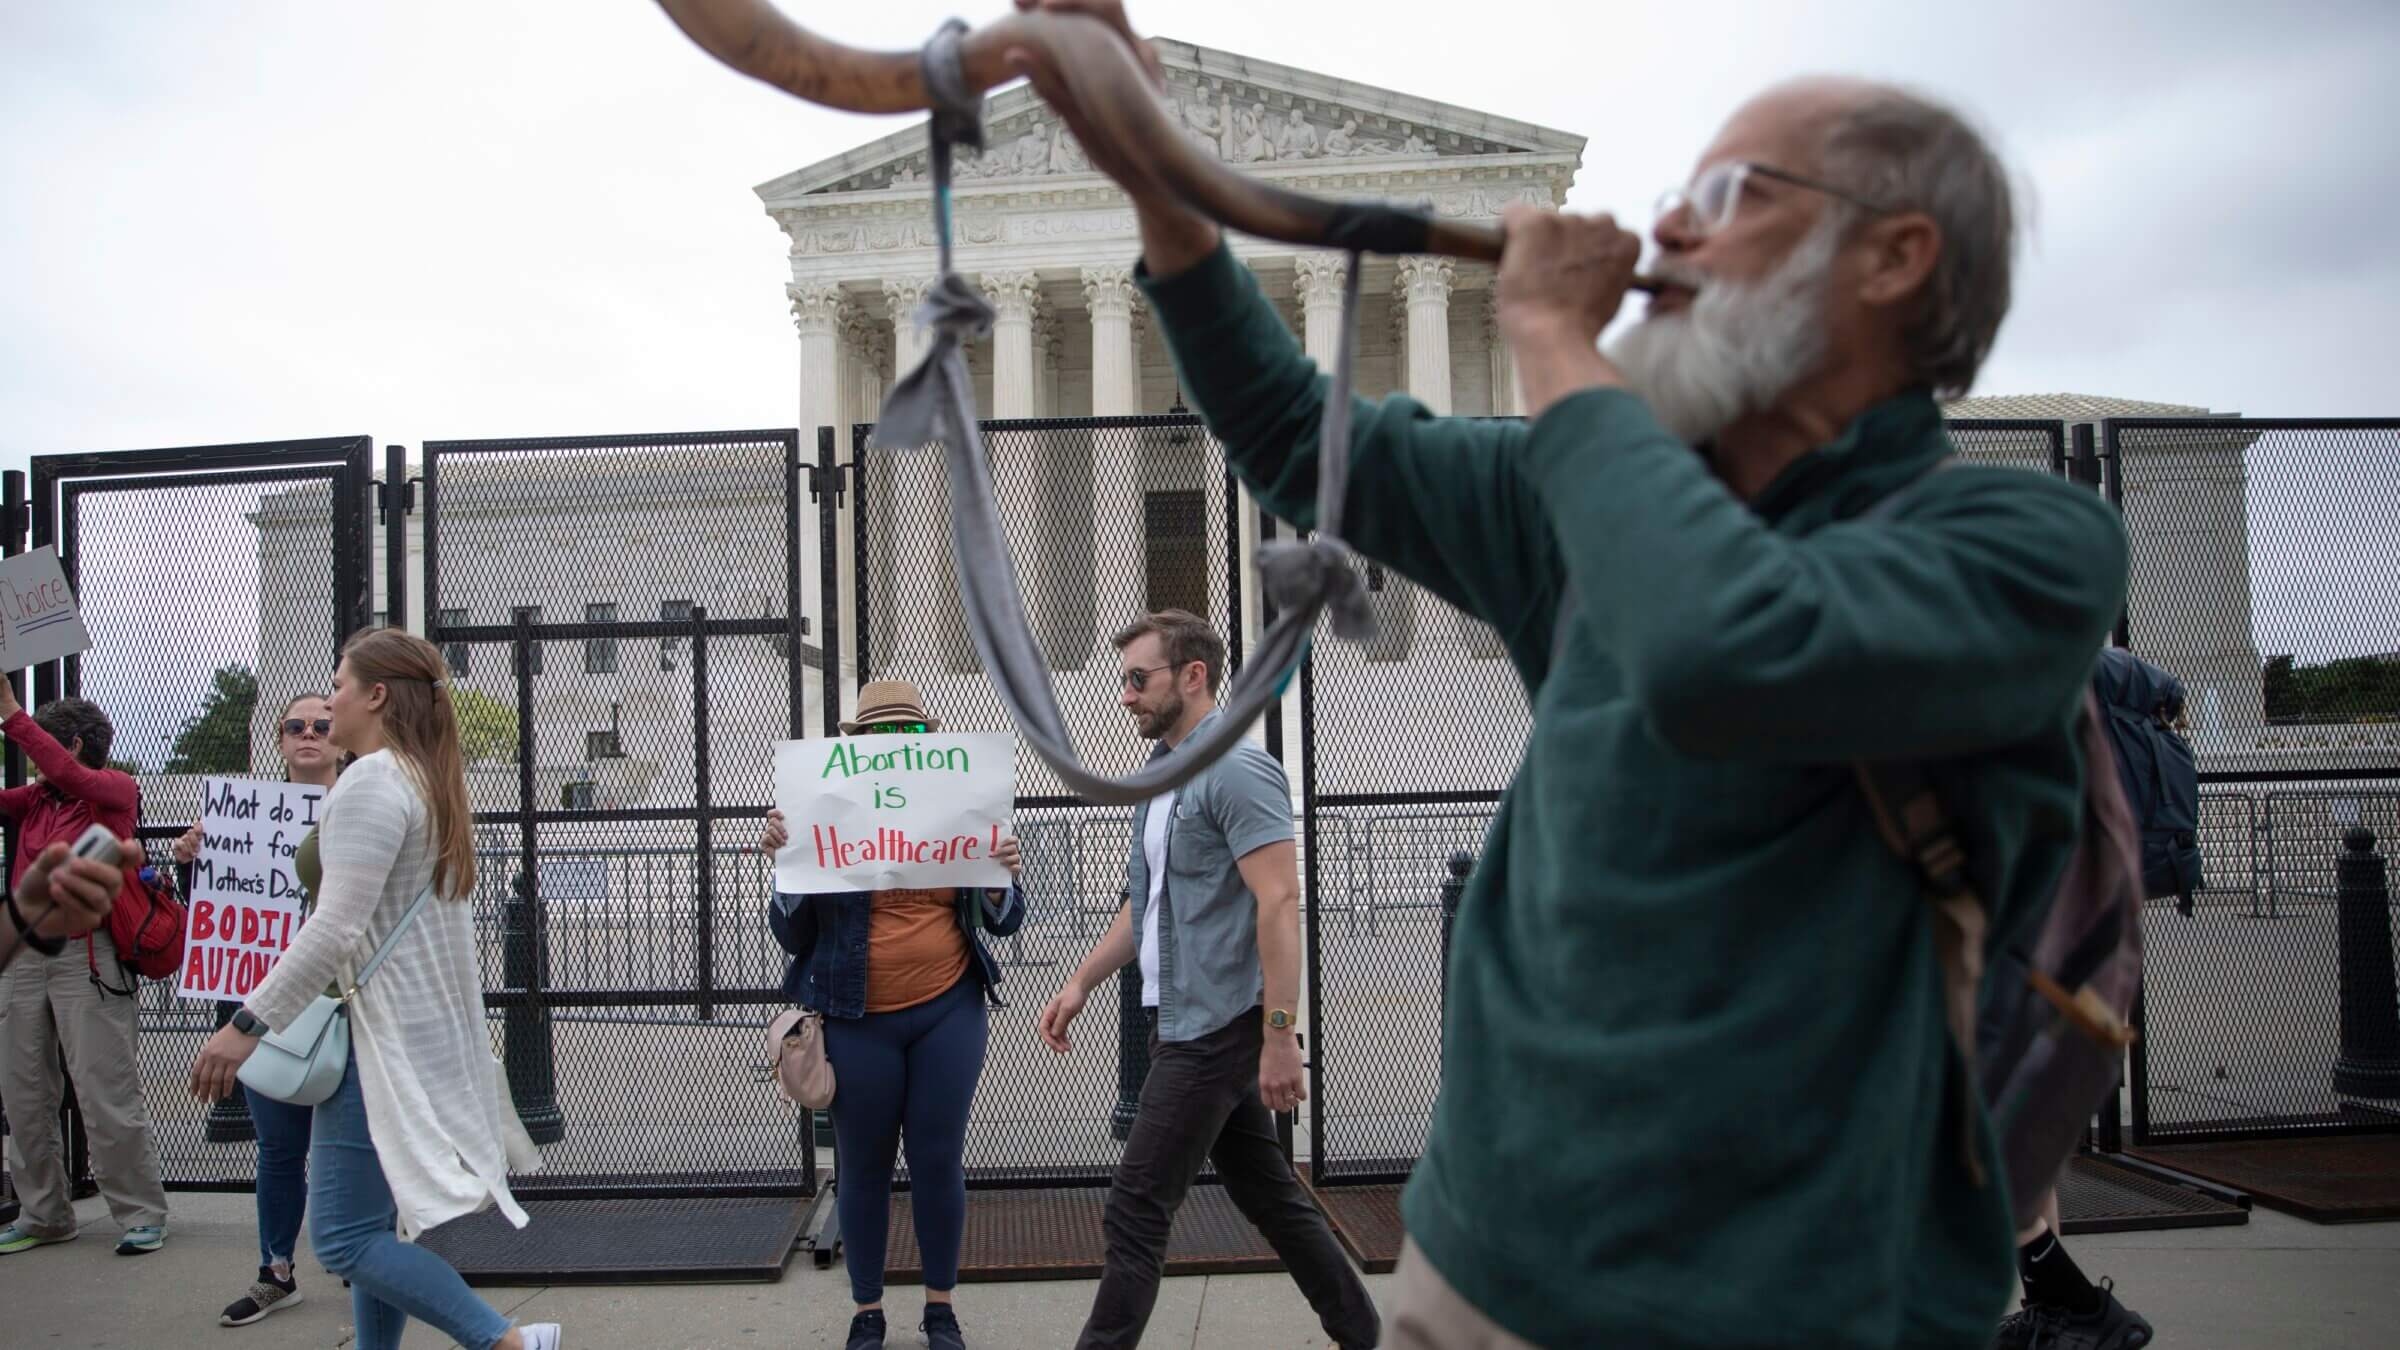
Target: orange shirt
{"points": [[915, 948]]}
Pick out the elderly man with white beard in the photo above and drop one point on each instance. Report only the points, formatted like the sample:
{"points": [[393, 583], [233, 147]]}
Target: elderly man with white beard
{"points": [[1698, 1088]]}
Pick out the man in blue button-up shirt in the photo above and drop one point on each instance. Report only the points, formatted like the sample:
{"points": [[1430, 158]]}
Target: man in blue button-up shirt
{"points": [[1212, 915]]}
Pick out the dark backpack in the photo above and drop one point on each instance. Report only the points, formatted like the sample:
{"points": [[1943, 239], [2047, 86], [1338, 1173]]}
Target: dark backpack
{"points": [[2044, 1036], [2140, 705]]}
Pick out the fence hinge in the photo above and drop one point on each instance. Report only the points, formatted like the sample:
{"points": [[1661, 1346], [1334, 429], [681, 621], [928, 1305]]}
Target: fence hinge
{"points": [[818, 490]]}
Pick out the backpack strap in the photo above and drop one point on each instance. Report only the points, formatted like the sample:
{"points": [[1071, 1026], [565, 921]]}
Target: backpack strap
{"points": [[1909, 816]]}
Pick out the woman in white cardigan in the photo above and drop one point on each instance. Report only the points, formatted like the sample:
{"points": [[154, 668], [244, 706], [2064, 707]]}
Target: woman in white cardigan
{"points": [[422, 1130]]}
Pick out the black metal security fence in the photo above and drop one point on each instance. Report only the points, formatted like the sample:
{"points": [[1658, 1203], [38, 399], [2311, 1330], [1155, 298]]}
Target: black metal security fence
{"points": [[213, 578], [1106, 519], [633, 621], [2265, 573], [625, 626]]}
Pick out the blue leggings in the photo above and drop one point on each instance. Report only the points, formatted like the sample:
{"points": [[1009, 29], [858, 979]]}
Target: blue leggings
{"points": [[910, 1072]]}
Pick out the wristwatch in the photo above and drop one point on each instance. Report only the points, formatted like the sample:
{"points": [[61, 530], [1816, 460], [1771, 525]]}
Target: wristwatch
{"points": [[1279, 1019], [247, 1024]]}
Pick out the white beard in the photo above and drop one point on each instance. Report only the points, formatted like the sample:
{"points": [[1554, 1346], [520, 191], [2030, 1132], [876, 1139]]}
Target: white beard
{"points": [[1739, 346]]}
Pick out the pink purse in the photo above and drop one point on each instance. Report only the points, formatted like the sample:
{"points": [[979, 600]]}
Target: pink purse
{"points": [[796, 1047]]}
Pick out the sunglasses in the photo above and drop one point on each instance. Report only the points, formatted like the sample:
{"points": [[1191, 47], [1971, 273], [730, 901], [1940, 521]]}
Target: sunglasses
{"points": [[293, 726], [892, 729]]}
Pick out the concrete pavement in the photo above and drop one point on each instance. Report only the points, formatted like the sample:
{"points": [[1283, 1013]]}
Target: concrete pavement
{"points": [[2277, 1283]]}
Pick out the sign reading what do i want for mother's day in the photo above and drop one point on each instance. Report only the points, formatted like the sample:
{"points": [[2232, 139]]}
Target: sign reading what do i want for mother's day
{"points": [[246, 897], [886, 812]]}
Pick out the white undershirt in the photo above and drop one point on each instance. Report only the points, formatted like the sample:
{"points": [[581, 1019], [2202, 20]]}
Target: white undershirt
{"points": [[1154, 852]]}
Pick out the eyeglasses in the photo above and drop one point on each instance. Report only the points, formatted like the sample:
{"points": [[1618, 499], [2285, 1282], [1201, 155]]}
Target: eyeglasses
{"points": [[1137, 679], [1716, 193], [892, 729], [293, 726]]}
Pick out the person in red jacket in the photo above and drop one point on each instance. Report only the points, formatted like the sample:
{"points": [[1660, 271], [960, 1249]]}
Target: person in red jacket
{"points": [[78, 1002]]}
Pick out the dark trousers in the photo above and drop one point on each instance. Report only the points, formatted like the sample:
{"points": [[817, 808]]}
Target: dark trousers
{"points": [[907, 1075], [1201, 1104]]}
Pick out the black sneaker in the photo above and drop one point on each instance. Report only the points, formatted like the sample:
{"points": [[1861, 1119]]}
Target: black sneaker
{"points": [[866, 1331], [2109, 1326], [267, 1295], [941, 1328]]}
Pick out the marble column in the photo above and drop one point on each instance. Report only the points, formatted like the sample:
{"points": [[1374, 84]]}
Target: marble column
{"points": [[1318, 283], [1119, 577], [1045, 362], [908, 340], [817, 312], [1424, 285], [1506, 402], [924, 628], [1014, 296]]}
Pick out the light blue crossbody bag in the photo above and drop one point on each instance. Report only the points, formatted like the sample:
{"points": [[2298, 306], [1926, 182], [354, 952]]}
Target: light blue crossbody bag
{"points": [[303, 1063]]}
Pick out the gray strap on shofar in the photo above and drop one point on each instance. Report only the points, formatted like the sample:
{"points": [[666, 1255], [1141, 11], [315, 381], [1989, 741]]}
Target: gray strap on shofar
{"points": [[935, 401]]}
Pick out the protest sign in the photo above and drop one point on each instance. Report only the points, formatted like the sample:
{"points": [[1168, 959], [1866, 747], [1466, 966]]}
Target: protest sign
{"points": [[245, 898], [38, 619], [880, 812]]}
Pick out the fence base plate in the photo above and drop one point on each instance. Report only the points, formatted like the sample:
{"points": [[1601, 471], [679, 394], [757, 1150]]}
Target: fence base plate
{"points": [[1054, 1234], [624, 1242], [2339, 1178]]}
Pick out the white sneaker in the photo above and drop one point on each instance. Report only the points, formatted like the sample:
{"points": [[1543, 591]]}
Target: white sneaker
{"points": [[542, 1336]]}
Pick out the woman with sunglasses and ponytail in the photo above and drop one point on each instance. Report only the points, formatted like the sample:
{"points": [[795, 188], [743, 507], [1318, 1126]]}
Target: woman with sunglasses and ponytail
{"points": [[421, 1130], [904, 1032], [304, 740]]}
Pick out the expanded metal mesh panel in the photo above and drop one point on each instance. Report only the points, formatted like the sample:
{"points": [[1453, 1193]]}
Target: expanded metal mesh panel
{"points": [[1379, 990], [1106, 519], [2254, 540], [171, 1033], [216, 583], [2039, 446], [210, 602], [1445, 673], [1040, 1114], [617, 532], [2242, 998]]}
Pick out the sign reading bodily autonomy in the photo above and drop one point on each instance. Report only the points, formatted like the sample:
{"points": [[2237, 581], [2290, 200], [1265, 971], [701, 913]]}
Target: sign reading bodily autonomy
{"points": [[38, 620], [246, 900], [871, 813]]}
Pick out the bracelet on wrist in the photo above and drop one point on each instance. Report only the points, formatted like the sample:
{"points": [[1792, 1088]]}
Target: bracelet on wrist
{"points": [[47, 946]]}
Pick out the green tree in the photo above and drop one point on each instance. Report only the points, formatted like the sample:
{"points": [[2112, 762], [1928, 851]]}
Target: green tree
{"points": [[487, 728], [2282, 688], [216, 739]]}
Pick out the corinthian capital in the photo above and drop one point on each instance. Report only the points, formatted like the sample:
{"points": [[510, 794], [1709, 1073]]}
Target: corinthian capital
{"points": [[1109, 290], [904, 294], [1014, 295], [816, 306], [1319, 278], [1426, 280]]}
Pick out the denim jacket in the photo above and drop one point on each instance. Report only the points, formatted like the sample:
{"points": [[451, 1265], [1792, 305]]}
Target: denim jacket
{"points": [[827, 938]]}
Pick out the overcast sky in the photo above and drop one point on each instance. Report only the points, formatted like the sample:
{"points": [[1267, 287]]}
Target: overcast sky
{"points": [[241, 220]]}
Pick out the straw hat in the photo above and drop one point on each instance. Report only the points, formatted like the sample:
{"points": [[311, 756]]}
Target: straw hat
{"points": [[889, 701]]}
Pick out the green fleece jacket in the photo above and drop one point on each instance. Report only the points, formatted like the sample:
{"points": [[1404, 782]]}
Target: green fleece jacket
{"points": [[1698, 1090]]}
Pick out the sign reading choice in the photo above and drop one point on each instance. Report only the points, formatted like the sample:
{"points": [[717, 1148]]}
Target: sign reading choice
{"points": [[246, 899], [38, 619], [883, 812]]}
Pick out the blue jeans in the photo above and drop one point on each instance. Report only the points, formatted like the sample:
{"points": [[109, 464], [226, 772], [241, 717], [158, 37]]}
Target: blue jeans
{"points": [[390, 1281], [282, 1174], [907, 1073]]}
